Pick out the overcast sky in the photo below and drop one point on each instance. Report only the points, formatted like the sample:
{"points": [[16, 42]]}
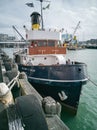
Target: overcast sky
{"points": [[61, 14]]}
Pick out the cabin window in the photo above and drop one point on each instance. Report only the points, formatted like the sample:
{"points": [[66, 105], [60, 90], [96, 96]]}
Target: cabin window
{"points": [[51, 43], [42, 43]]}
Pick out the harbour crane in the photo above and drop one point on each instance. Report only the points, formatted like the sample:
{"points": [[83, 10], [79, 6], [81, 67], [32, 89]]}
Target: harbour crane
{"points": [[77, 26]]}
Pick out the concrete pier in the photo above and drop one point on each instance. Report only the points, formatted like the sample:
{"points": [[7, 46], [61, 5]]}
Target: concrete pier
{"points": [[53, 120]]}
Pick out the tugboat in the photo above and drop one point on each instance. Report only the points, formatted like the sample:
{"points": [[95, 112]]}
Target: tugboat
{"points": [[45, 64]]}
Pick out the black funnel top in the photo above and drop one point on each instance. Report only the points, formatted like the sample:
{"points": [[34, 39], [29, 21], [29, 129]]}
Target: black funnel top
{"points": [[35, 20]]}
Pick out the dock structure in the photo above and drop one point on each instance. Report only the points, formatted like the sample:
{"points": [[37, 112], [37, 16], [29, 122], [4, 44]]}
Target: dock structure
{"points": [[29, 111], [1, 77], [54, 110]]}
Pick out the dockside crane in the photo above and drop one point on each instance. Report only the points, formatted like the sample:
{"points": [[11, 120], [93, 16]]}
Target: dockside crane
{"points": [[77, 26], [72, 42]]}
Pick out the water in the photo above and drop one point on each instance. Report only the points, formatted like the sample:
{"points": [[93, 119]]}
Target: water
{"points": [[86, 118], [9, 51]]}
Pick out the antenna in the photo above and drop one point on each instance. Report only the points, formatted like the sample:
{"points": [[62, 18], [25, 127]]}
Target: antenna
{"points": [[42, 11]]}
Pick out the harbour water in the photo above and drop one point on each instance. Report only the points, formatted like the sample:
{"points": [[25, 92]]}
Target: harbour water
{"points": [[86, 118]]}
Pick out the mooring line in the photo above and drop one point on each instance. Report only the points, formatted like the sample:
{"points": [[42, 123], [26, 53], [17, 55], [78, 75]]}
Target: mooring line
{"points": [[92, 82], [89, 79]]}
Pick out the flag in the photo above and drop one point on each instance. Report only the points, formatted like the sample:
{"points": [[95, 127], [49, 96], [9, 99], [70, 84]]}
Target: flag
{"points": [[30, 4], [47, 7]]}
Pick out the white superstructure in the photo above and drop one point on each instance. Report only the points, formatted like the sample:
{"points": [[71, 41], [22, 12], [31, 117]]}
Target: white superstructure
{"points": [[43, 34]]}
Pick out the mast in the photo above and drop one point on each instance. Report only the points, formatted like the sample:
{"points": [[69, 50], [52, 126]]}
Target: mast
{"points": [[42, 24], [32, 5], [42, 10], [42, 14]]}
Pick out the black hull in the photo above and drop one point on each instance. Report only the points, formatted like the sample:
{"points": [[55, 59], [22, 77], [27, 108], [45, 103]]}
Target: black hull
{"points": [[53, 80], [72, 91]]}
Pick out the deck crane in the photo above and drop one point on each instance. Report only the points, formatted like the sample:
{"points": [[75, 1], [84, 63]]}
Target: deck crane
{"points": [[19, 33]]}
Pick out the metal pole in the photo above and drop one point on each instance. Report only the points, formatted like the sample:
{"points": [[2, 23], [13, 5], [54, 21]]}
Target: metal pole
{"points": [[18, 32], [42, 14]]}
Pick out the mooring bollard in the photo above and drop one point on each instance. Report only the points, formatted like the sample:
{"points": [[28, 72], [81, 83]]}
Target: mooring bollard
{"points": [[23, 75], [51, 107]]}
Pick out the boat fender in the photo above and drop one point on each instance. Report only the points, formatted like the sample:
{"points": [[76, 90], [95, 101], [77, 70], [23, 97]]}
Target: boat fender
{"points": [[62, 96], [12, 74], [8, 65], [5, 95], [15, 66], [51, 107], [17, 59], [31, 113]]}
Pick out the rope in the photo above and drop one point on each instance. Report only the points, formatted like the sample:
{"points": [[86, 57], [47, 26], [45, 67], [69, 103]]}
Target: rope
{"points": [[88, 78], [13, 81], [92, 82], [11, 84]]}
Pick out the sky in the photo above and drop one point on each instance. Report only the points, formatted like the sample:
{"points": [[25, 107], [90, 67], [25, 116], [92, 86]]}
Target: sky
{"points": [[61, 14]]}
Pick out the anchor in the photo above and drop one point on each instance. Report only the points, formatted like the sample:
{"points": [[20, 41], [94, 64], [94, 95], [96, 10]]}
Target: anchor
{"points": [[62, 96]]}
